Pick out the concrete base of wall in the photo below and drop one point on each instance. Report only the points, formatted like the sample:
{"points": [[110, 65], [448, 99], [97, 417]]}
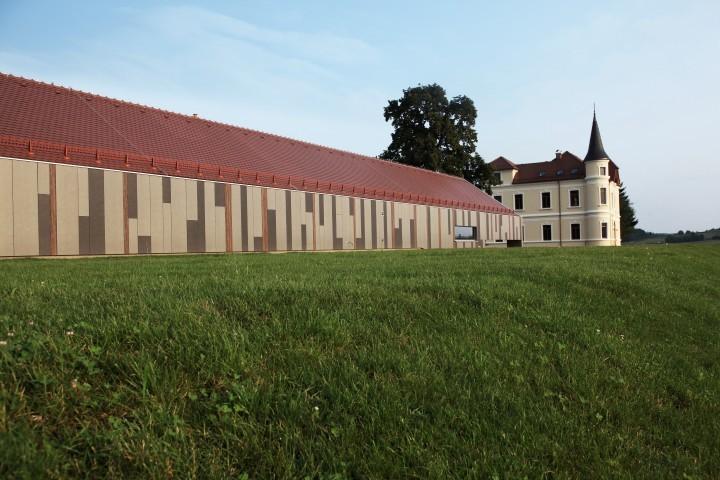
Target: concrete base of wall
{"points": [[570, 244]]}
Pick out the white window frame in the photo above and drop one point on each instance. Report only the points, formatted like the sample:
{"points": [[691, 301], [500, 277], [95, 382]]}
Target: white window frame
{"points": [[542, 232], [475, 233], [607, 233], [522, 194], [570, 205], [603, 171], [600, 193], [541, 200], [495, 197]]}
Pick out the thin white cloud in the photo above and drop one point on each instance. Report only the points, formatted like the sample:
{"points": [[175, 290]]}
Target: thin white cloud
{"points": [[318, 47], [307, 85]]}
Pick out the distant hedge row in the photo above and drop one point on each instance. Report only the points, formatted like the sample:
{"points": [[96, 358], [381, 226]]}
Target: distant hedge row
{"points": [[682, 237]]}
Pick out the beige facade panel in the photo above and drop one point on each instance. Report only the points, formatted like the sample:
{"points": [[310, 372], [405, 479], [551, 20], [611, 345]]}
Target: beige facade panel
{"points": [[114, 221], [421, 224], [298, 219], [191, 199], [43, 179], [25, 208], [6, 209], [278, 197], [167, 241], [68, 201], [219, 233], [133, 235], [83, 192], [210, 243], [237, 217], [257, 213], [433, 224], [178, 204], [144, 227], [157, 216]]}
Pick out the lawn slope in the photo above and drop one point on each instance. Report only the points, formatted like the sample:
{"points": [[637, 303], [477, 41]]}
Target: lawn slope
{"points": [[538, 362]]}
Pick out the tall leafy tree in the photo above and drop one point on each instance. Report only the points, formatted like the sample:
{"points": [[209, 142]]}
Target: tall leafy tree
{"points": [[628, 220], [437, 134]]}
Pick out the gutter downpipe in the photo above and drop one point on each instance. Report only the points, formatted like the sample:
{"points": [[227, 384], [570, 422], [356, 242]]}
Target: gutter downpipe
{"points": [[559, 202]]}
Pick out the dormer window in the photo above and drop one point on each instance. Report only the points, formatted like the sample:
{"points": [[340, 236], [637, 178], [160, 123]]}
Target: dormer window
{"points": [[542, 173]]}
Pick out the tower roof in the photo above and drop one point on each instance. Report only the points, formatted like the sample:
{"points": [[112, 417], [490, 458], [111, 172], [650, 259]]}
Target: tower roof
{"points": [[596, 151], [502, 163]]}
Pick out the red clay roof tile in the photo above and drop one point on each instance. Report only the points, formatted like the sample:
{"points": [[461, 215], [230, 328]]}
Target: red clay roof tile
{"points": [[70, 126], [566, 167]]}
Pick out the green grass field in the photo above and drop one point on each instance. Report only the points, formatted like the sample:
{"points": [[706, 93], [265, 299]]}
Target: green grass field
{"points": [[572, 363]]}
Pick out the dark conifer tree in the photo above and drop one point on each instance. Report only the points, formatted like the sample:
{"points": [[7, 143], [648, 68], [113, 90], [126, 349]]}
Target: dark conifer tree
{"points": [[627, 214]]}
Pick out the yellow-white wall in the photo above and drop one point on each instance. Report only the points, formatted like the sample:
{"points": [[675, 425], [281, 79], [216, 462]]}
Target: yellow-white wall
{"points": [[590, 214]]}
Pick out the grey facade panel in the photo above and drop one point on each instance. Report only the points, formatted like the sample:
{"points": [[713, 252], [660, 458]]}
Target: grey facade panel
{"points": [[132, 195], [272, 230], [321, 209], [84, 235], [96, 194], [398, 235], [219, 194], [196, 234], [362, 225], [166, 191], [244, 217], [288, 219], [413, 234], [144, 244], [44, 223]]}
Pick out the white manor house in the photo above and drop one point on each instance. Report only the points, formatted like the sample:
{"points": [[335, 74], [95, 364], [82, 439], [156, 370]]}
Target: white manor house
{"points": [[565, 201]]}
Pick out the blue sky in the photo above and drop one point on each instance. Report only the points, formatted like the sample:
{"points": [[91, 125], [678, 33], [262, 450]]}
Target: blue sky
{"points": [[323, 71]]}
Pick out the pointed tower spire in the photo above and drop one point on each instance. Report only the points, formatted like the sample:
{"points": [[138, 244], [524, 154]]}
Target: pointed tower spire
{"points": [[596, 151]]}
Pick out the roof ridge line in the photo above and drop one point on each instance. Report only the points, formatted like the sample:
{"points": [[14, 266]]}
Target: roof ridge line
{"points": [[542, 161]]}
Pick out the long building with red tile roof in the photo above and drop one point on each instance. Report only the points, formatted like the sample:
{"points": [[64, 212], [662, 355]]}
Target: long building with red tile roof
{"points": [[57, 126]]}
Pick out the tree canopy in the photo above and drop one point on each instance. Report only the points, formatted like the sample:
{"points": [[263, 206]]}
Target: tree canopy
{"points": [[437, 134], [628, 220]]}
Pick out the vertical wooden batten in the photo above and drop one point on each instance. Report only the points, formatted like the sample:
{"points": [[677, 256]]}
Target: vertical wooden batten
{"points": [[126, 226], [314, 221], [53, 211], [264, 215], [392, 224], [228, 219], [415, 226]]}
